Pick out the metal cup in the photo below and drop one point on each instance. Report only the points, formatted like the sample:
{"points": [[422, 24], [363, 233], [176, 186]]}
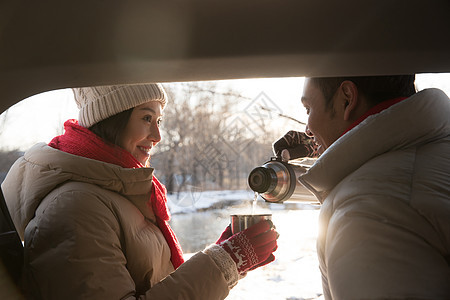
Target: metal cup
{"points": [[241, 222]]}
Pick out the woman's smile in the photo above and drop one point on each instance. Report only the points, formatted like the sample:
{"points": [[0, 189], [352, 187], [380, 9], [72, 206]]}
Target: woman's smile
{"points": [[142, 131]]}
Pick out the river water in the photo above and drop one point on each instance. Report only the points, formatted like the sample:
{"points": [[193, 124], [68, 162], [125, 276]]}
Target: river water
{"points": [[293, 275]]}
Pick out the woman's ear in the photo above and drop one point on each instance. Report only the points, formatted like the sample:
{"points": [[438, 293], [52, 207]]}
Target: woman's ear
{"points": [[349, 98]]}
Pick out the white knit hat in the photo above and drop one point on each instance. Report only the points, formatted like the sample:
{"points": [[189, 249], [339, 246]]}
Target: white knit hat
{"points": [[101, 102]]}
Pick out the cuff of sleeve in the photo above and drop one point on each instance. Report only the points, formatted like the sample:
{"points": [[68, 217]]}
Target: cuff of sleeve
{"points": [[225, 263]]}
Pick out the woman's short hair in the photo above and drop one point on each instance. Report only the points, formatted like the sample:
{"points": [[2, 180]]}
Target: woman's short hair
{"points": [[111, 129]]}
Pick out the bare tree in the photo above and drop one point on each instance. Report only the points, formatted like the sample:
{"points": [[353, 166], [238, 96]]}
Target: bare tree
{"points": [[209, 140]]}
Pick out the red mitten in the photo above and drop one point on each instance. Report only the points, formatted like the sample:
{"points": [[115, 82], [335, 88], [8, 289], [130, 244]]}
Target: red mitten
{"points": [[297, 144], [252, 247], [225, 235]]}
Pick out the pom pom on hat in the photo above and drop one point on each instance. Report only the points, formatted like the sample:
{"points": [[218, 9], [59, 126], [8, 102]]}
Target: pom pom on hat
{"points": [[101, 102]]}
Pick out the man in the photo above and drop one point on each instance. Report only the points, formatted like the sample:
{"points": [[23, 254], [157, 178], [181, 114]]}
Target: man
{"points": [[383, 178]]}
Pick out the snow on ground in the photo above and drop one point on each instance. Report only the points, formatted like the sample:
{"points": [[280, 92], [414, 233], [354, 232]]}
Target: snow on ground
{"points": [[294, 274]]}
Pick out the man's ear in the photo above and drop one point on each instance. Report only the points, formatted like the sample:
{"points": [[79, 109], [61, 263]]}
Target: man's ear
{"points": [[349, 100]]}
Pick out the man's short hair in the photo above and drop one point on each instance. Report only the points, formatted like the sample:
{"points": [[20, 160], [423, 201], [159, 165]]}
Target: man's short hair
{"points": [[375, 89]]}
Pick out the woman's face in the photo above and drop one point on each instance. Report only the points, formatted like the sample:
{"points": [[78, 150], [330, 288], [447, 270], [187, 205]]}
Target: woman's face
{"points": [[142, 131]]}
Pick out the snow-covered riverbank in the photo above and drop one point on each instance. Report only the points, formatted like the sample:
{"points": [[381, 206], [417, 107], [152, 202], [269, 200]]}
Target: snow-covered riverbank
{"points": [[197, 201]]}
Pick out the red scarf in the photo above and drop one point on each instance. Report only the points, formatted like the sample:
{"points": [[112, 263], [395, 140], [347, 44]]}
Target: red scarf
{"points": [[374, 110], [80, 141]]}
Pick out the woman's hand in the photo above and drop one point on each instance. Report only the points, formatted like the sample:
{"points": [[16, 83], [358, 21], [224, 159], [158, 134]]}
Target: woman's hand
{"points": [[252, 247], [225, 235]]}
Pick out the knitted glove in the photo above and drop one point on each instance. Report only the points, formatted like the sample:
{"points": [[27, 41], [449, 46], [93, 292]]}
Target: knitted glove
{"points": [[295, 144], [252, 247], [225, 235]]}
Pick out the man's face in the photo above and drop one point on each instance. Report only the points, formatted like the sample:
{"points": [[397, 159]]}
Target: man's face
{"points": [[324, 124]]}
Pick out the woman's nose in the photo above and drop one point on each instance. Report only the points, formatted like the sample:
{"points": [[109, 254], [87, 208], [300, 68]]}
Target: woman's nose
{"points": [[155, 135]]}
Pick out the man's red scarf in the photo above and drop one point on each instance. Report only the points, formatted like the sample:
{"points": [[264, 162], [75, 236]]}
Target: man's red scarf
{"points": [[80, 141], [374, 110]]}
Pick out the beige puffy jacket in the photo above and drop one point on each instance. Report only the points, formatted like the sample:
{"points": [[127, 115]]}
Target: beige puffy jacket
{"points": [[89, 234], [385, 218]]}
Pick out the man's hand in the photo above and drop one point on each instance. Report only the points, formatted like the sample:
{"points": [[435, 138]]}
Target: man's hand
{"points": [[295, 144]]}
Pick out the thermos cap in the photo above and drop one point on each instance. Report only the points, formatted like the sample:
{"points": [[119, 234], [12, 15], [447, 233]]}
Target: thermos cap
{"points": [[277, 181], [260, 179]]}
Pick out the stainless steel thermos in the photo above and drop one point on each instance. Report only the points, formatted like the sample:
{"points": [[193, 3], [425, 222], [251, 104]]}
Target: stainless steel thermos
{"points": [[276, 181]]}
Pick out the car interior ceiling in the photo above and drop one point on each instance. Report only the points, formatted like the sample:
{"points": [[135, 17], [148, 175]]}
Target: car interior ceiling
{"points": [[52, 44]]}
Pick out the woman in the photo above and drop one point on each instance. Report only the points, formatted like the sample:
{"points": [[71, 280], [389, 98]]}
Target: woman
{"points": [[94, 218]]}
